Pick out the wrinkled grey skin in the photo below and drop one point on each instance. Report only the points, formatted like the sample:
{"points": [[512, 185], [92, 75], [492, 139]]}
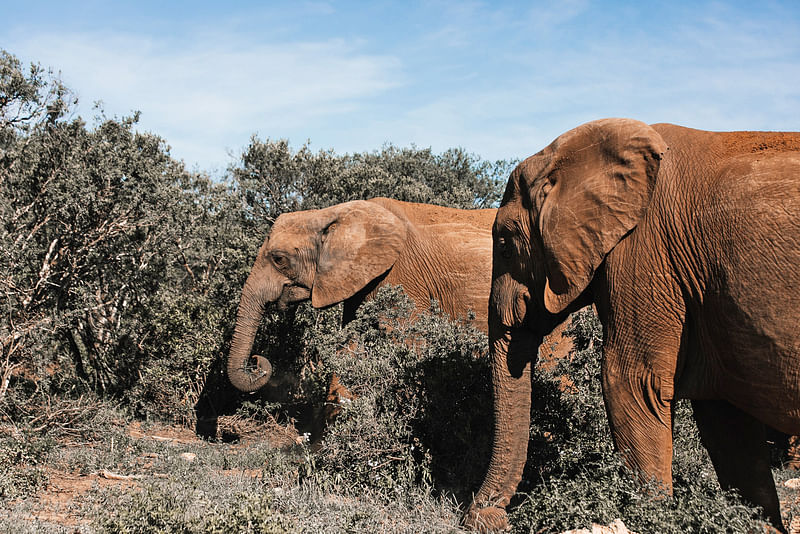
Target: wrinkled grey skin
{"points": [[688, 244]]}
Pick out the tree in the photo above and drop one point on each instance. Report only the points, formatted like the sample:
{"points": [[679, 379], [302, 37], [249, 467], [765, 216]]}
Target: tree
{"points": [[29, 106], [273, 179], [99, 225]]}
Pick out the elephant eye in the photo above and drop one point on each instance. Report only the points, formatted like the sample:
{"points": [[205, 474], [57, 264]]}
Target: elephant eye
{"points": [[502, 245], [279, 260]]}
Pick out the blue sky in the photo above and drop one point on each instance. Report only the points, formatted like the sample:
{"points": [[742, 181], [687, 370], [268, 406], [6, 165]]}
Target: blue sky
{"points": [[500, 79]]}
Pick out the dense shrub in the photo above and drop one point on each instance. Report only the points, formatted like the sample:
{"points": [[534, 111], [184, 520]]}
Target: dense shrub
{"points": [[574, 477], [159, 508], [113, 257], [273, 179], [422, 411], [22, 458]]}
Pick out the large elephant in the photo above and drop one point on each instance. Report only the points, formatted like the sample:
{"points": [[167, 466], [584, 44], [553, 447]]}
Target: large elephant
{"points": [[688, 244], [344, 252]]}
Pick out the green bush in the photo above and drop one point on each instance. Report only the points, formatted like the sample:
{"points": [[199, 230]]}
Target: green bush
{"points": [[159, 508], [422, 411], [574, 477], [22, 460]]}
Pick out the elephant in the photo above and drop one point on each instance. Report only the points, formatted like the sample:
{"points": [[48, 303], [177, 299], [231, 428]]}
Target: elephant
{"points": [[687, 242], [343, 253]]}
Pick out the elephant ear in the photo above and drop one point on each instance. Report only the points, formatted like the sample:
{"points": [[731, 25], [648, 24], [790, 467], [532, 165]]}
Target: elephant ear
{"points": [[361, 242], [602, 175]]}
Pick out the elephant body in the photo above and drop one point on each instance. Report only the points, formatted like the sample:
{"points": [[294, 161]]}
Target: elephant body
{"points": [[729, 292], [447, 257], [688, 244]]}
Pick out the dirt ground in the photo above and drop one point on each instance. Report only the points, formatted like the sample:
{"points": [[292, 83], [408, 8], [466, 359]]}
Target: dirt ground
{"points": [[60, 502]]}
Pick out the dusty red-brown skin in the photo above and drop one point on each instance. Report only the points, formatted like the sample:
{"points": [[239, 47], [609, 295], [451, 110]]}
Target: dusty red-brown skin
{"points": [[688, 244], [345, 252]]}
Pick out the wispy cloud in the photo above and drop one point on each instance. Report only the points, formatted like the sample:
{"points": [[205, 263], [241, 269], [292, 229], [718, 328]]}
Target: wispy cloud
{"points": [[499, 79], [214, 92]]}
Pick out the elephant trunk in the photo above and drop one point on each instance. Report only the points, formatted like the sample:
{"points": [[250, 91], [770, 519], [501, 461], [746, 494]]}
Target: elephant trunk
{"points": [[511, 353], [251, 308]]}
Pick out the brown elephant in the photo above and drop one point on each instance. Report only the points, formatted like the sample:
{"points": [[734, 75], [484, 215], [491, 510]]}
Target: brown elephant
{"points": [[688, 244], [345, 252]]}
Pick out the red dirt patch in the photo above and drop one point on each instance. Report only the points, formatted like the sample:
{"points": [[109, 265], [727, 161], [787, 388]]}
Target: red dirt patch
{"points": [[60, 500]]}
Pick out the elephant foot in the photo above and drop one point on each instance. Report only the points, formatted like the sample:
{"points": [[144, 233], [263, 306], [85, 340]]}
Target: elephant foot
{"points": [[488, 519]]}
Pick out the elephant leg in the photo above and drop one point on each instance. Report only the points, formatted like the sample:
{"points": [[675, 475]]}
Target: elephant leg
{"points": [[738, 448], [640, 415], [327, 414], [641, 348]]}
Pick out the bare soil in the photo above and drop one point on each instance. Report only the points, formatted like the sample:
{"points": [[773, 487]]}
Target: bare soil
{"points": [[62, 499]]}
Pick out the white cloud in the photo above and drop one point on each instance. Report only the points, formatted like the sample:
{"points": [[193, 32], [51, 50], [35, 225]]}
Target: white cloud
{"points": [[501, 81], [202, 96]]}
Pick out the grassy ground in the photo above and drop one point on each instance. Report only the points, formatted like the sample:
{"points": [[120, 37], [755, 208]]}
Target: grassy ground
{"points": [[157, 478], [403, 456], [154, 478]]}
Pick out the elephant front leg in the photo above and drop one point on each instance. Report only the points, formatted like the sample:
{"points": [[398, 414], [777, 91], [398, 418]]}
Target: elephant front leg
{"points": [[738, 448], [640, 414]]}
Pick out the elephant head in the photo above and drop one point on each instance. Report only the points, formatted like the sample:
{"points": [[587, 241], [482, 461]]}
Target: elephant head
{"points": [[563, 211], [327, 255]]}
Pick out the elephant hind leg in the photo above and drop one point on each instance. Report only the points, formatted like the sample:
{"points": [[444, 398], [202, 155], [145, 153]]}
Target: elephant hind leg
{"points": [[738, 448]]}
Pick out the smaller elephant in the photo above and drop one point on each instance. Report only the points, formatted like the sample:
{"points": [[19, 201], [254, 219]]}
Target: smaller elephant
{"points": [[345, 252]]}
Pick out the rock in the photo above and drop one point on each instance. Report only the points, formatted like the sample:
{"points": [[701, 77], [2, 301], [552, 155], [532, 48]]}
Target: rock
{"points": [[188, 456], [793, 483], [616, 527]]}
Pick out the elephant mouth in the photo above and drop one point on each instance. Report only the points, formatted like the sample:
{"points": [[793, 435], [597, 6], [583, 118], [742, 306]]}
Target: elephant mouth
{"points": [[292, 294], [512, 313]]}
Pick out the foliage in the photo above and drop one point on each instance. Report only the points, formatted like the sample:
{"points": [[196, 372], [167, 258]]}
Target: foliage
{"points": [[574, 477], [159, 508], [28, 100], [22, 458], [422, 400], [120, 270], [273, 179]]}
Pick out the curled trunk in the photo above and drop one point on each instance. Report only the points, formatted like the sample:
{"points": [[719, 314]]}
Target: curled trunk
{"points": [[246, 372], [511, 353]]}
